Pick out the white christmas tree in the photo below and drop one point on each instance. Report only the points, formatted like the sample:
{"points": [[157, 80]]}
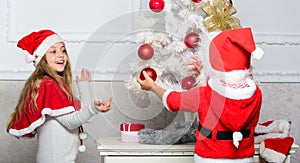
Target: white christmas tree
{"points": [[170, 33]]}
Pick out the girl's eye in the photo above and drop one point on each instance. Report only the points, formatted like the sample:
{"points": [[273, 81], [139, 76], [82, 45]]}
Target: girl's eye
{"points": [[53, 51], [64, 51]]}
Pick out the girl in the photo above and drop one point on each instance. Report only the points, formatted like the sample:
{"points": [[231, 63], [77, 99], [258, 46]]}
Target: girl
{"points": [[46, 106]]}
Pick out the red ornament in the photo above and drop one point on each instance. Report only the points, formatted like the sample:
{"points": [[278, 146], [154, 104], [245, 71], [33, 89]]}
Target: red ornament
{"points": [[197, 1], [188, 82], [151, 73], [145, 52], [156, 5], [191, 40]]}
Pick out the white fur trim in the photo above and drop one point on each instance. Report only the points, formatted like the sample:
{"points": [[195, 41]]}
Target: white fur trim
{"points": [[29, 58], [231, 77], [45, 45], [270, 155], [232, 93], [199, 159], [257, 53], [277, 126], [41, 120], [82, 148], [276, 129], [237, 137], [164, 99]]}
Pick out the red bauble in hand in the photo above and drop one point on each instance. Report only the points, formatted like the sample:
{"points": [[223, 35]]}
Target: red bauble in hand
{"points": [[191, 40], [145, 52], [150, 72], [197, 1], [188, 82], [156, 5]]}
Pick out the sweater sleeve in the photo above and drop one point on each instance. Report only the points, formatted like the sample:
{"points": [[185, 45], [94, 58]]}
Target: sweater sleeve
{"points": [[77, 118], [85, 114], [84, 93]]}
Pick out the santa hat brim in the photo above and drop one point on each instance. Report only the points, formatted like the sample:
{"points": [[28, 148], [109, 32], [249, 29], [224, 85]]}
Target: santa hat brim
{"points": [[45, 45]]}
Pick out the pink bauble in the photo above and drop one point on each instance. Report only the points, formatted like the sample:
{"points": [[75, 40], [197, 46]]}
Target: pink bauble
{"points": [[191, 40], [145, 52], [156, 5], [188, 82], [150, 72]]}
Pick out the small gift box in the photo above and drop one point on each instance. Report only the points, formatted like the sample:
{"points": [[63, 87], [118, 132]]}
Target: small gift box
{"points": [[129, 132]]}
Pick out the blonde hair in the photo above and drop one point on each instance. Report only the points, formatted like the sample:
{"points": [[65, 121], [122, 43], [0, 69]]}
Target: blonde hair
{"points": [[30, 92]]}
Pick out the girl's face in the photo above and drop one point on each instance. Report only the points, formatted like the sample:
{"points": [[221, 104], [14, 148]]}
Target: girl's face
{"points": [[57, 57]]}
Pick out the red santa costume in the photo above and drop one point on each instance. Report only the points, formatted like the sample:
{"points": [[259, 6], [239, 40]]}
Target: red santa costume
{"points": [[56, 121], [228, 108]]}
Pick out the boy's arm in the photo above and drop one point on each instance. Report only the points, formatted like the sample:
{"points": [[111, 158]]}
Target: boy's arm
{"points": [[173, 101]]}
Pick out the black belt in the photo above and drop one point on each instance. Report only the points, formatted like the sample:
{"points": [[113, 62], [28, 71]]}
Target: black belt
{"points": [[222, 135]]}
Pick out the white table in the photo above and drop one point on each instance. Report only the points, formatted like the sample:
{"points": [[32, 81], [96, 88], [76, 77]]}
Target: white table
{"points": [[112, 150]]}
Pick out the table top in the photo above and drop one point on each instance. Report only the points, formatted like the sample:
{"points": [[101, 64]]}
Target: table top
{"points": [[114, 146]]}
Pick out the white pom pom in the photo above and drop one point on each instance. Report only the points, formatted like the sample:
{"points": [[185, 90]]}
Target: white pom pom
{"points": [[82, 148], [29, 58], [82, 135], [257, 53], [237, 137]]}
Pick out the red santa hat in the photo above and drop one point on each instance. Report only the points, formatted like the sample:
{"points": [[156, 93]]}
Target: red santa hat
{"points": [[274, 138], [37, 44], [275, 149], [232, 50]]}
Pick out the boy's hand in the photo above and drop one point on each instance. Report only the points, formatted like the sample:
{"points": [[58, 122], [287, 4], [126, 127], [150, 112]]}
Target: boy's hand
{"points": [[146, 84], [195, 66]]}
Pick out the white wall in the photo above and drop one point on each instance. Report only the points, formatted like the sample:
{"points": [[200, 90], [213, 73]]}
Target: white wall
{"points": [[275, 26], [109, 23], [107, 27]]}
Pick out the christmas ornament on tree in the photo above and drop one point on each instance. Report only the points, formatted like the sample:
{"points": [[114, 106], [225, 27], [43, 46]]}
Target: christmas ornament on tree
{"points": [[192, 40], [145, 52], [188, 82], [219, 16], [156, 5], [150, 72], [197, 1]]}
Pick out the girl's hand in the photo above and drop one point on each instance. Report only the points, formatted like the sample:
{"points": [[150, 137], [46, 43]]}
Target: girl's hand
{"points": [[146, 84], [195, 66], [103, 106], [84, 76]]}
